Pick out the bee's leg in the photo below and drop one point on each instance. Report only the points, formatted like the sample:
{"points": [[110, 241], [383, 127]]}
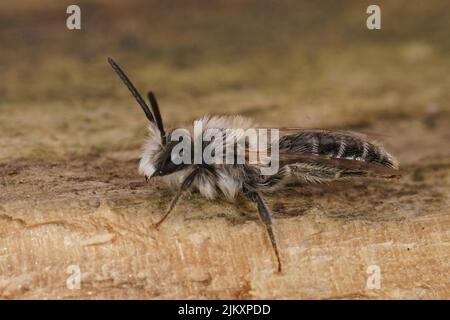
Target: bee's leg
{"points": [[184, 186], [264, 214]]}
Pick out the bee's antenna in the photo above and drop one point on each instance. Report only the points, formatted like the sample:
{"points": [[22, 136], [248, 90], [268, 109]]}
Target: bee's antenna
{"points": [[132, 89], [157, 114]]}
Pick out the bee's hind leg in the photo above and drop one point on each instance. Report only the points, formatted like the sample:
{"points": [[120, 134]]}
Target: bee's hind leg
{"points": [[264, 214], [184, 186]]}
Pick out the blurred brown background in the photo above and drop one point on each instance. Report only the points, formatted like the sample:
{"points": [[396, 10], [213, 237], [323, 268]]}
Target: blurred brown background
{"points": [[70, 137]]}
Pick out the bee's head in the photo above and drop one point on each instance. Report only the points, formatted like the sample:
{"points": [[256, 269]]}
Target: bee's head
{"points": [[156, 158]]}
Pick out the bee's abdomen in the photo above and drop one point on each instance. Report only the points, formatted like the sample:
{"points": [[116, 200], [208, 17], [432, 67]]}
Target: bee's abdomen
{"points": [[337, 145]]}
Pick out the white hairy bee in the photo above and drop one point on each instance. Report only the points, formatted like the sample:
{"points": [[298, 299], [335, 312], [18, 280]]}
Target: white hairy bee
{"points": [[305, 155]]}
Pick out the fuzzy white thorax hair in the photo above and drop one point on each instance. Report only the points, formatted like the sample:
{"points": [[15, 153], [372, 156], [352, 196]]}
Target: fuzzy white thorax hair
{"points": [[225, 122]]}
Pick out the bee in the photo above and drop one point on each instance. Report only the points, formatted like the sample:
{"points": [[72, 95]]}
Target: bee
{"points": [[305, 156]]}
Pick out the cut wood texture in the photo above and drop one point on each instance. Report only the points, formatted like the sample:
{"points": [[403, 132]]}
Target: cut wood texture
{"points": [[72, 206], [99, 219]]}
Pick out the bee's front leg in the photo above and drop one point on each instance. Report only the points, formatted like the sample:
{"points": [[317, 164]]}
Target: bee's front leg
{"points": [[187, 182]]}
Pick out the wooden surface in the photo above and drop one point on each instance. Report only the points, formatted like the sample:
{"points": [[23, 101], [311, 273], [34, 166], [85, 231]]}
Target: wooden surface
{"points": [[70, 137], [96, 213]]}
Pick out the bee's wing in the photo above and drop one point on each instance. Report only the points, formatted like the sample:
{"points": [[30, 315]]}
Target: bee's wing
{"points": [[335, 144], [324, 155], [373, 136], [345, 166]]}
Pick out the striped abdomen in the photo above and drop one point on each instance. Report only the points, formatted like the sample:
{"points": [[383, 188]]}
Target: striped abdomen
{"points": [[337, 144]]}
